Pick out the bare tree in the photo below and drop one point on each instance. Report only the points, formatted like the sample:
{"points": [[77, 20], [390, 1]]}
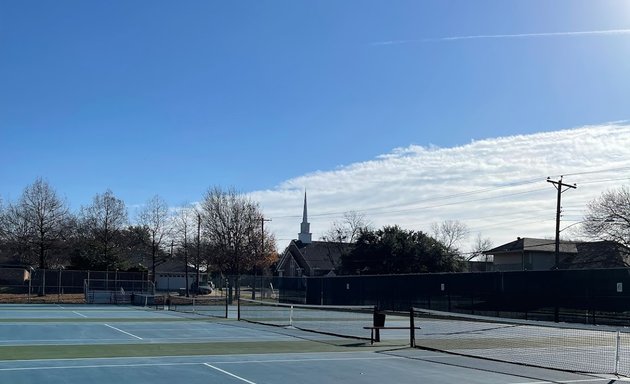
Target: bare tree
{"points": [[347, 229], [45, 213], [480, 245], [608, 216], [3, 229], [101, 224], [232, 226], [17, 233], [185, 222], [342, 233], [154, 217], [450, 233]]}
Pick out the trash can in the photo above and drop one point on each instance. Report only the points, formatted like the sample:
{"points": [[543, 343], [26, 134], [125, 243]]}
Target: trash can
{"points": [[379, 321]]}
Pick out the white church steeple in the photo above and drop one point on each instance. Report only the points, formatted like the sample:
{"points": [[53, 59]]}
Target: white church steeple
{"points": [[305, 236]]}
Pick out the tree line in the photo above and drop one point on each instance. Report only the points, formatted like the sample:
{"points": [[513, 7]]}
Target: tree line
{"points": [[222, 233], [225, 233], [394, 250]]}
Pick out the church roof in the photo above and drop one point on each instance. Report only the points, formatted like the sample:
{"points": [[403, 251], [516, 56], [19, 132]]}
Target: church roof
{"points": [[323, 255], [315, 256]]}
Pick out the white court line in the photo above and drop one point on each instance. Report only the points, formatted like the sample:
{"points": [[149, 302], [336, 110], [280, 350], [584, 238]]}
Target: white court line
{"points": [[126, 333], [160, 364], [76, 359], [94, 366], [34, 342], [614, 379], [80, 314], [228, 373]]}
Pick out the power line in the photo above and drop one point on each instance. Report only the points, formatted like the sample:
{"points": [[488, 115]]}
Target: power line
{"points": [[387, 209], [591, 172], [375, 210], [604, 180]]}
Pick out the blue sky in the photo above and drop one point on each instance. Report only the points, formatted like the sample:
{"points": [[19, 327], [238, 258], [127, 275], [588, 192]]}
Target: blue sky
{"points": [[170, 98]]}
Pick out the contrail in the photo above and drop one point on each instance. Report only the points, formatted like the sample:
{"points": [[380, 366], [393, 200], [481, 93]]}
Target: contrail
{"points": [[508, 36]]}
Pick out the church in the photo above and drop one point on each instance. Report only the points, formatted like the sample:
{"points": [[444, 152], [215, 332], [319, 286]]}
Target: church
{"points": [[305, 257]]}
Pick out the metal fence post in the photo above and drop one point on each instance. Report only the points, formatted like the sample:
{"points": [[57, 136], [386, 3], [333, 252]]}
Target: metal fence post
{"points": [[59, 287]]}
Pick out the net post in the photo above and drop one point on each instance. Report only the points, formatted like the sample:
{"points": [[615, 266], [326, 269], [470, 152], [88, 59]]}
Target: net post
{"points": [[291, 316], [617, 349], [238, 308], [412, 329], [376, 323]]}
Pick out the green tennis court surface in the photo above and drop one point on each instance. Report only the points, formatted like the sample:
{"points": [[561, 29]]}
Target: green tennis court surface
{"points": [[108, 344]]}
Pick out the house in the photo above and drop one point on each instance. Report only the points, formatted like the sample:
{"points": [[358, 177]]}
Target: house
{"points": [[304, 257], [171, 276], [479, 265], [530, 254], [598, 254], [13, 275]]}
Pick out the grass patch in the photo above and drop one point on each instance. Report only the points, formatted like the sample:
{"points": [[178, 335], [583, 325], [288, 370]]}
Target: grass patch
{"points": [[163, 349]]}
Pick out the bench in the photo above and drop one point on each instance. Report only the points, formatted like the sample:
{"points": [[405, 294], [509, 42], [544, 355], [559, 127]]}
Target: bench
{"points": [[378, 323], [375, 333]]}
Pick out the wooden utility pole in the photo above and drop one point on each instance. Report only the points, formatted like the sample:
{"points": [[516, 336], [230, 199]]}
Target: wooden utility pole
{"points": [[186, 259], [262, 229], [262, 253], [559, 185], [198, 251]]}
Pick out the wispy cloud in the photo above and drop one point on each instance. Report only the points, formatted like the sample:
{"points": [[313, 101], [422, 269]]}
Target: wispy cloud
{"points": [[496, 186], [606, 32]]}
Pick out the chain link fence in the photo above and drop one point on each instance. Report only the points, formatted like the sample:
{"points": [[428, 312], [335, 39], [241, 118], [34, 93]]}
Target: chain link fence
{"points": [[595, 296], [267, 288], [22, 285]]}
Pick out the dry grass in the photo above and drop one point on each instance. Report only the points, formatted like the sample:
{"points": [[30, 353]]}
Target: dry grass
{"points": [[21, 298]]}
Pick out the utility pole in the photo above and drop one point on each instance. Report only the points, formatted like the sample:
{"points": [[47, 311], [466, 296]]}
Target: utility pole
{"points": [[186, 259], [198, 251], [262, 252], [262, 228], [559, 185]]}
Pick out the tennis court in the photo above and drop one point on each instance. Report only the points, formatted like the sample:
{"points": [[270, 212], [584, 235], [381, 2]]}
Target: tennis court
{"points": [[105, 344]]}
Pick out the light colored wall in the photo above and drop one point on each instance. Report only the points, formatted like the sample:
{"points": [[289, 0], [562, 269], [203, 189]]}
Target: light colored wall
{"points": [[508, 258], [542, 261], [172, 281]]}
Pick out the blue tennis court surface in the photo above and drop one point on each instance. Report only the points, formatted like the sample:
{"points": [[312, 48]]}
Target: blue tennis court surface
{"points": [[107, 344], [51, 311]]}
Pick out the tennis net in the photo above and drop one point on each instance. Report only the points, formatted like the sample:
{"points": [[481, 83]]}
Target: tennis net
{"points": [[344, 321], [205, 306], [562, 346]]}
